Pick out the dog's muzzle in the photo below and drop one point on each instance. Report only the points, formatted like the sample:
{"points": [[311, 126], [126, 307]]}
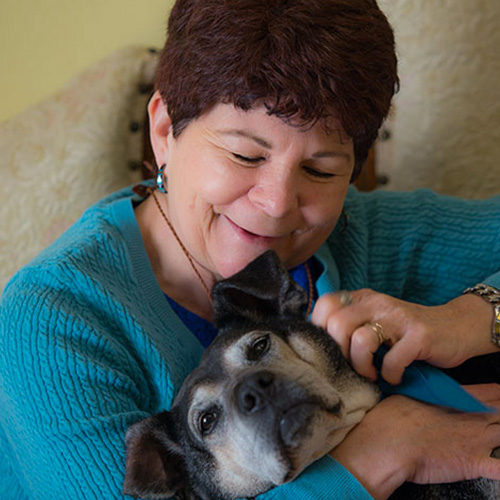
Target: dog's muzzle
{"points": [[256, 392], [263, 395]]}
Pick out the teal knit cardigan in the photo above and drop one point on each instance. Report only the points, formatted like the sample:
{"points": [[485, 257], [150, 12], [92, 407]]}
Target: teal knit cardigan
{"points": [[89, 344]]}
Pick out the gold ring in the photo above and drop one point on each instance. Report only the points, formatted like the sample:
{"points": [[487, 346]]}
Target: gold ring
{"points": [[379, 330], [345, 298]]}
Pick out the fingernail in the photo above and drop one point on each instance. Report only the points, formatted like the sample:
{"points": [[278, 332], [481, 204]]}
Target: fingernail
{"points": [[345, 298]]}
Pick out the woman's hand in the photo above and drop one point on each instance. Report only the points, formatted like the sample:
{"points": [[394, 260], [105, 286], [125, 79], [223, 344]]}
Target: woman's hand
{"points": [[405, 440], [444, 336]]}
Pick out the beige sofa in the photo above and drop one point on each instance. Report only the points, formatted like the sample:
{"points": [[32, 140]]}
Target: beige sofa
{"points": [[65, 153]]}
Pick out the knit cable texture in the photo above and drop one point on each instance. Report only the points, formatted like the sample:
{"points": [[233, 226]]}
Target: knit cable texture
{"points": [[89, 344]]}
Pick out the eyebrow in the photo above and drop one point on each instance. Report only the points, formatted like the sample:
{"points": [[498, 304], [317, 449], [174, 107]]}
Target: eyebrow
{"points": [[248, 135], [265, 144], [331, 154]]}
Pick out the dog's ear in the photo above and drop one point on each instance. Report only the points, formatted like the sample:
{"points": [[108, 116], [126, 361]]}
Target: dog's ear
{"points": [[155, 462], [262, 289]]}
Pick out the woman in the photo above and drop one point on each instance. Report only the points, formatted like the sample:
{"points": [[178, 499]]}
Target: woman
{"points": [[264, 114]]}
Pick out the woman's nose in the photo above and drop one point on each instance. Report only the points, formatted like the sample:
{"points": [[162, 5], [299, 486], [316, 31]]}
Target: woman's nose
{"points": [[276, 195]]}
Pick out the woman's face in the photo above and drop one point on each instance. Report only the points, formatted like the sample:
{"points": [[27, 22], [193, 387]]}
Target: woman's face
{"points": [[243, 182]]}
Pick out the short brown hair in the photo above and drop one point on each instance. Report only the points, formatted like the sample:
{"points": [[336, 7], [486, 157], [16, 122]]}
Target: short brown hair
{"points": [[307, 59]]}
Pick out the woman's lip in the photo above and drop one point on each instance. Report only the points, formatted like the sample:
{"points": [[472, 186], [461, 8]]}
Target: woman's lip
{"points": [[250, 234]]}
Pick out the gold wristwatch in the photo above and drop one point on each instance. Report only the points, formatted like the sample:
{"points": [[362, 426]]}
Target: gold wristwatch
{"points": [[492, 295]]}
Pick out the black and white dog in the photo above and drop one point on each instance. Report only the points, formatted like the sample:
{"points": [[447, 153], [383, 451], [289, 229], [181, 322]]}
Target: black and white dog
{"points": [[272, 394]]}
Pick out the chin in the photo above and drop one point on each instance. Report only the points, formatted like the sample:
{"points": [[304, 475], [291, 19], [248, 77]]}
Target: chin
{"points": [[235, 261]]}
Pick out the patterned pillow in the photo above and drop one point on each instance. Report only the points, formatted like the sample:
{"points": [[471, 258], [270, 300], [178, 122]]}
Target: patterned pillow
{"points": [[70, 150]]}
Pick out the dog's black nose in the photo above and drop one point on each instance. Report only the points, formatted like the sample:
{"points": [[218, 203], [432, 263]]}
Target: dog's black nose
{"points": [[255, 391]]}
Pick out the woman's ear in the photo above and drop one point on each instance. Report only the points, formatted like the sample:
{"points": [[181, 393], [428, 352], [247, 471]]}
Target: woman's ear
{"points": [[160, 126]]}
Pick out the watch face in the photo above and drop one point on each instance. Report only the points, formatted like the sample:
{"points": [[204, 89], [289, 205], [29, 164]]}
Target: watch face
{"points": [[492, 295], [496, 326]]}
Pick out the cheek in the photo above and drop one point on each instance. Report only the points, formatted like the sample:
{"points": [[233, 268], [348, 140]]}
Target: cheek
{"points": [[213, 182], [222, 188], [324, 209], [320, 220]]}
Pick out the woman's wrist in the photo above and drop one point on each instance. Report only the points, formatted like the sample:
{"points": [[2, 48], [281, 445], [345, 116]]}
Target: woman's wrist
{"points": [[491, 296], [375, 474], [374, 454], [479, 315]]}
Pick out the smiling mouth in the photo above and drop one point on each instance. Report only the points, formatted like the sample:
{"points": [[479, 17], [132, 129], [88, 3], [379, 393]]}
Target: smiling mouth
{"points": [[249, 234]]}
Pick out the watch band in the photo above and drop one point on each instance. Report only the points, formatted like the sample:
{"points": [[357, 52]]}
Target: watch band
{"points": [[491, 295]]}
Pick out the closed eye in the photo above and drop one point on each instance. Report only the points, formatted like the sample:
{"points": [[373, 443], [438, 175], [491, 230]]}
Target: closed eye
{"points": [[246, 159], [317, 173], [309, 170]]}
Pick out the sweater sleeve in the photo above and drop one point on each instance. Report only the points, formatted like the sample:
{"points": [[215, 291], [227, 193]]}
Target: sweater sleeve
{"points": [[323, 480], [67, 391], [493, 280], [419, 246]]}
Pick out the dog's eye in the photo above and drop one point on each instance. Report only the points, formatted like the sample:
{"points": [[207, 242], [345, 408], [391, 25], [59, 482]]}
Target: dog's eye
{"points": [[258, 348], [207, 422]]}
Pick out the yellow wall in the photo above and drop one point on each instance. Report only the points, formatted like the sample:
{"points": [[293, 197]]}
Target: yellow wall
{"points": [[45, 43], [446, 122]]}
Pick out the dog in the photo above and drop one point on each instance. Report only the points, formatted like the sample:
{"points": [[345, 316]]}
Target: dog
{"points": [[272, 394]]}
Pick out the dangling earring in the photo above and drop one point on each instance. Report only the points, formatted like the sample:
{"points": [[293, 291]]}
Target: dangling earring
{"points": [[160, 178]]}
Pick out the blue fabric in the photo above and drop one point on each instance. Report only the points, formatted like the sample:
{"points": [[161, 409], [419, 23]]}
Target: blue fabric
{"points": [[89, 344], [202, 329], [206, 332], [426, 383], [420, 380]]}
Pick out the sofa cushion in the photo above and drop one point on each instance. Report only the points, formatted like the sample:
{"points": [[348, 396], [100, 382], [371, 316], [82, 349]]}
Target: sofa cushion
{"points": [[70, 150]]}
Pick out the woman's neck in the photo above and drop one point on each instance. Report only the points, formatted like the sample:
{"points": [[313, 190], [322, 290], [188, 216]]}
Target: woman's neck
{"points": [[170, 264]]}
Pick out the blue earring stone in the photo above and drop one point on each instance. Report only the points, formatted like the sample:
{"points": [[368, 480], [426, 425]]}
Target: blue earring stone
{"points": [[159, 180]]}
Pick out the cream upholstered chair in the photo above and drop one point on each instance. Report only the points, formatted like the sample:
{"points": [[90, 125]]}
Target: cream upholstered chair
{"points": [[86, 141], [70, 150], [62, 155]]}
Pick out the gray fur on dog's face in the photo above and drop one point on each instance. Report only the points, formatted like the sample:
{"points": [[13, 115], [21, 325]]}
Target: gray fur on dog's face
{"points": [[276, 401], [271, 395]]}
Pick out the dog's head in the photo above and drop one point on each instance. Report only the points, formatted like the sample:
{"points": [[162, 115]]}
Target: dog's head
{"points": [[271, 394]]}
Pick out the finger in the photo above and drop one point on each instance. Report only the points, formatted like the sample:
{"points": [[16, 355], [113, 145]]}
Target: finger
{"points": [[341, 317], [493, 431], [325, 306], [397, 359], [342, 326], [364, 343], [494, 410], [341, 337], [490, 468], [327, 315], [487, 393], [344, 323]]}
